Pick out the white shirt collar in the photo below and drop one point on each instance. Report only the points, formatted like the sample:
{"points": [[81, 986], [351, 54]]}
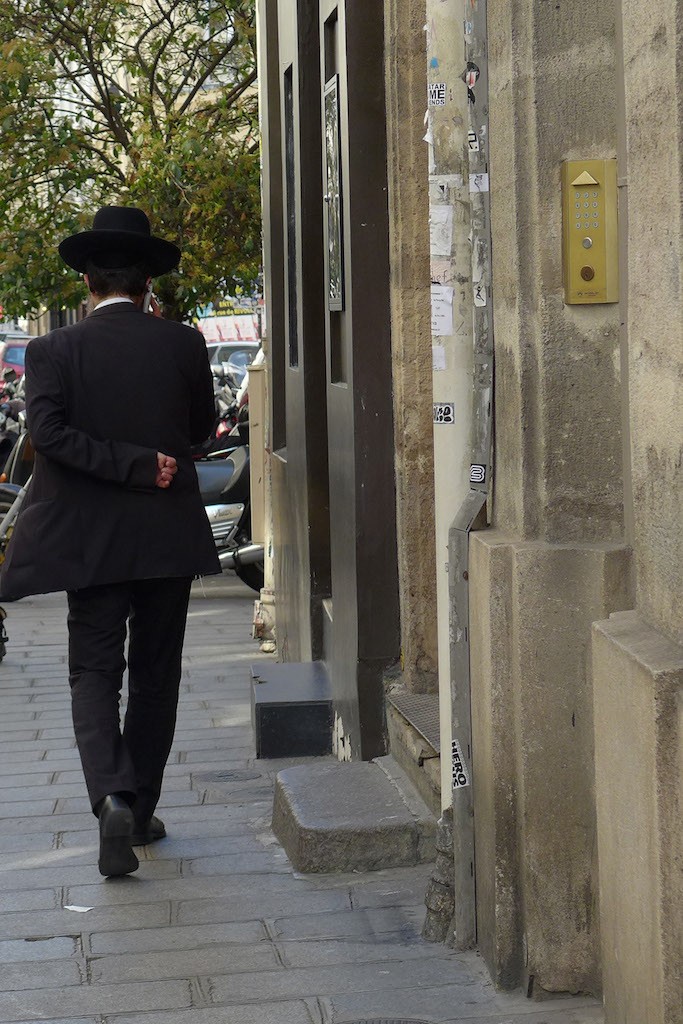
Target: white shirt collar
{"points": [[110, 302]]}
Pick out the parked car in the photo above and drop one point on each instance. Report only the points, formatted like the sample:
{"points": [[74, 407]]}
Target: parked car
{"points": [[238, 354], [13, 342]]}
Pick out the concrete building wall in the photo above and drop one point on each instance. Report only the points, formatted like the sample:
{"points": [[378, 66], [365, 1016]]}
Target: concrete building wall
{"points": [[639, 710], [556, 560], [653, 52], [407, 170], [532, 721], [638, 657]]}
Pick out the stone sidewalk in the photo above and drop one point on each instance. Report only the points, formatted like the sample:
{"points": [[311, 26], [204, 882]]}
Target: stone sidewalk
{"points": [[214, 928]]}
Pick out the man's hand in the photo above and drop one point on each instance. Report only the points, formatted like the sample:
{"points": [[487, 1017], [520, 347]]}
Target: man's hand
{"points": [[166, 470]]}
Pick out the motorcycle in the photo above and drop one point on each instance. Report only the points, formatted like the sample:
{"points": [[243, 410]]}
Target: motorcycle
{"points": [[227, 409], [224, 484], [12, 405]]}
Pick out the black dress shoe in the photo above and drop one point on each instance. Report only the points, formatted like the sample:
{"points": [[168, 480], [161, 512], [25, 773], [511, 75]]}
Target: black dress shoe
{"points": [[148, 832], [116, 829]]}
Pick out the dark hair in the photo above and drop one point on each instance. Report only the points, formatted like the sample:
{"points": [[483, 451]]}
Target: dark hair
{"points": [[130, 280]]}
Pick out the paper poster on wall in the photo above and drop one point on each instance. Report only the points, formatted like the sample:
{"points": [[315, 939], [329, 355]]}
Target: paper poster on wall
{"points": [[479, 182], [441, 230], [438, 357], [442, 311]]}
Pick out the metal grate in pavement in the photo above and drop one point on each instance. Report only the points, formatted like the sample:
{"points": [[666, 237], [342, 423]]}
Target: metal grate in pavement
{"points": [[422, 711]]}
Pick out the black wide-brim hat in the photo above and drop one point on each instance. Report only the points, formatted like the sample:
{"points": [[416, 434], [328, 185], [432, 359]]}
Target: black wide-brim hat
{"points": [[120, 236]]}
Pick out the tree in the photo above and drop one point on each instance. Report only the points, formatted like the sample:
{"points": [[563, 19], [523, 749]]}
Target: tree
{"points": [[150, 103]]}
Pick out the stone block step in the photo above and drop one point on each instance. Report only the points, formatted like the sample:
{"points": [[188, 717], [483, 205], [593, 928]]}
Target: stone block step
{"points": [[360, 816]]}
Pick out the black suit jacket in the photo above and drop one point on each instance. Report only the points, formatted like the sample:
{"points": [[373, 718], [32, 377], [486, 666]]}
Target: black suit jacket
{"points": [[102, 398]]}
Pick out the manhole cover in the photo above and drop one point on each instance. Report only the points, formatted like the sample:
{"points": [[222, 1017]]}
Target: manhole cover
{"points": [[228, 775]]}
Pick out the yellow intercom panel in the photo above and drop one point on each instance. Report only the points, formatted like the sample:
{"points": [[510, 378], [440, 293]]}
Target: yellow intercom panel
{"points": [[589, 230]]}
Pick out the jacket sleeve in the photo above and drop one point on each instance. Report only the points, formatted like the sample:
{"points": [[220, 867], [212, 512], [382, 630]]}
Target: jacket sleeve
{"points": [[202, 402], [119, 462]]}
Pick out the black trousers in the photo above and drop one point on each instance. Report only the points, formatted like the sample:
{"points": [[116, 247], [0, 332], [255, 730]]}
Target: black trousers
{"points": [[131, 761]]}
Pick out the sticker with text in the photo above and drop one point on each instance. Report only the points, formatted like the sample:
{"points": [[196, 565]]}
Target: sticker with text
{"points": [[437, 94], [477, 473], [444, 412], [460, 775]]}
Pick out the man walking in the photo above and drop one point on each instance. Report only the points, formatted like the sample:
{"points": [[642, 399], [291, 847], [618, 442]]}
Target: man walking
{"points": [[114, 516]]}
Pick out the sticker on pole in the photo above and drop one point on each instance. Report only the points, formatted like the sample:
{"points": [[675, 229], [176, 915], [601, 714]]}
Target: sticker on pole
{"points": [[477, 473], [436, 92], [444, 412], [460, 774]]}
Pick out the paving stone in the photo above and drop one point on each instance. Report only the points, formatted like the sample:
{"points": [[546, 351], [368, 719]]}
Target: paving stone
{"points": [[15, 977], [38, 841], [186, 963], [271, 1013], [214, 753], [27, 899], [405, 894], [22, 950], [46, 924], [172, 798], [54, 790], [461, 1003], [16, 785], [351, 924], [51, 1020], [57, 822], [83, 1000], [240, 863], [328, 952], [146, 940], [128, 889], [59, 874], [195, 850], [246, 907], [329, 981]]}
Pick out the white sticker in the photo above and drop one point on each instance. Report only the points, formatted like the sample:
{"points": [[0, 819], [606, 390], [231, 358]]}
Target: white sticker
{"points": [[444, 412], [479, 295], [442, 310], [436, 92], [479, 182], [438, 357], [473, 142], [440, 230], [460, 775]]}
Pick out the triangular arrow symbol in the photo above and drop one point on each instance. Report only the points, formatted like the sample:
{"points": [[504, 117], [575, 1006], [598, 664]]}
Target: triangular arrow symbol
{"points": [[585, 179]]}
